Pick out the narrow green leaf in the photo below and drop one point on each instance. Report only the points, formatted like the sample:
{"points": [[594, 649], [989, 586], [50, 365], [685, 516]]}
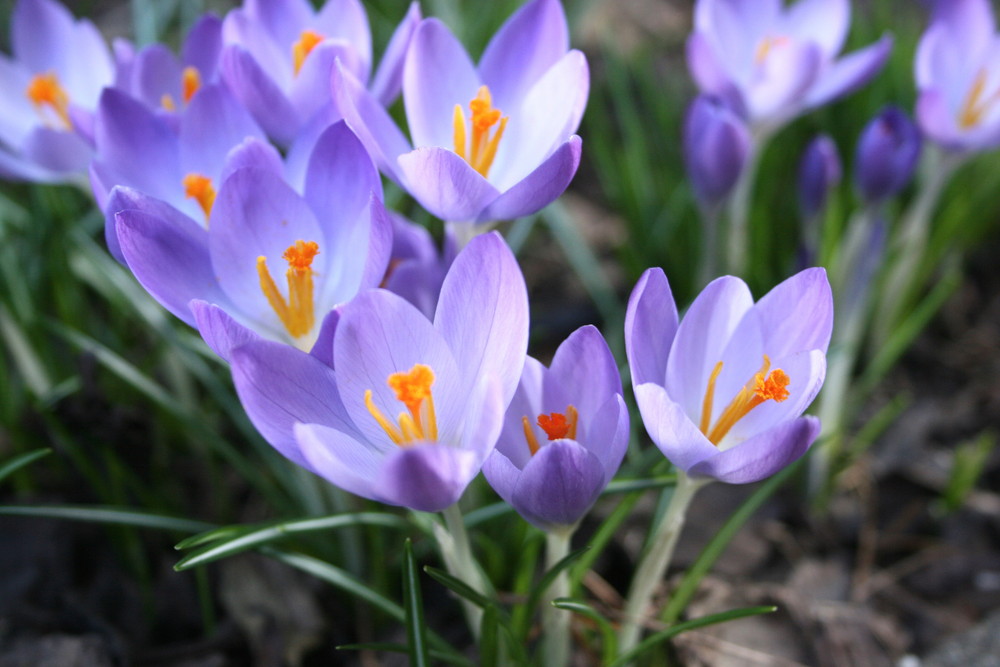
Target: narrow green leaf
{"points": [[229, 542], [609, 640], [601, 538], [28, 363], [489, 637], [712, 619], [714, 549], [458, 587], [105, 514], [538, 591], [628, 485], [416, 630], [19, 462]]}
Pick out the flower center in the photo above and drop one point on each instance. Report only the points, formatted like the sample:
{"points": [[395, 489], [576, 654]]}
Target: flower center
{"points": [[44, 90], [480, 148], [977, 104], [297, 313], [301, 49], [199, 187], [556, 426], [419, 422], [765, 47], [763, 386], [190, 84]]}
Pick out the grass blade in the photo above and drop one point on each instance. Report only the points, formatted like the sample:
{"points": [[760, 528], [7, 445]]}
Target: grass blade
{"points": [[105, 514], [19, 462], [609, 639], [416, 629], [458, 587]]}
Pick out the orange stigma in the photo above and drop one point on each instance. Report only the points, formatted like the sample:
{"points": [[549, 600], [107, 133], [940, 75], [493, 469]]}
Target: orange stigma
{"points": [[44, 90], [556, 426], [199, 187], [977, 104], [301, 49], [765, 46], [190, 83], [762, 387], [480, 149], [298, 312], [412, 389]]}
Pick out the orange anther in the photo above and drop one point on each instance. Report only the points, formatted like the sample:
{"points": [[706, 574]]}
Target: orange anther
{"points": [[44, 90], [190, 83], [308, 40], [300, 255], [199, 187]]}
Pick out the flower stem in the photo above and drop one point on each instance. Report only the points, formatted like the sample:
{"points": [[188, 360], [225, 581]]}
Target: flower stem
{"points": [[740, 205], [457, 554], [655, 561], [555, 622]]}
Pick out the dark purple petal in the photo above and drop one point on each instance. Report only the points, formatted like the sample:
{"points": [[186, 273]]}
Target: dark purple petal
{"points": [[586, 369], [340, 180], [819, 171], [558, 485], [388, 80], [528, 44], [221, 332], [887, 155], [447, 186], [650, 326], [156, 72], [716, 146], [260, 94], [502, 475], [203, 46], [670, 428], [483, 312], [322, 349], [428, 478], [539, 188], [762, 455]]}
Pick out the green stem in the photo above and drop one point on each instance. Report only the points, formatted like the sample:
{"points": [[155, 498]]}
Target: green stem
{"points": [[740, 203], [555, 622], [457, 555], [655, 561]]}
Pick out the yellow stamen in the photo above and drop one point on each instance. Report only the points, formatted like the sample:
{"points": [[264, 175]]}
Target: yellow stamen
{"points": [[529, 435], [167, 102], [298, 312], [765, 46], [762, 387], [190, 83], [308, 40], [976, 105], [44, 90], [413, 389], [199, 187], [479, 149]]}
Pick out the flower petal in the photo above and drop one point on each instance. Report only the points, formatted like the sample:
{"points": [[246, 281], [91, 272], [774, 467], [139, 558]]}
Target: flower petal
{"points": [[203, 46], [213, 124], [608, 434], [58, 151], [322, 349], [221, 332], [823, 22], [352, 465], [347, 21], [40, 30], [670, 428], [850, 73], [502, 475], [761, 456], [428, 478], [797, 314], [388, 80], [558, 485], [446, 185], [650, 327], [340, 178], [259, 93], [586, 369]]}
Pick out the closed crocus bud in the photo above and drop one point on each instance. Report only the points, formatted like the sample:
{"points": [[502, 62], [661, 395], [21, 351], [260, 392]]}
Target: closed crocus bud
{"points": [[716, 145], [819, 171], [886, 155]]}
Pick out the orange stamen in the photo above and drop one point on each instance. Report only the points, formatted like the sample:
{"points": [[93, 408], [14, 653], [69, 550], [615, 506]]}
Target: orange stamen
{"points": [[556, 426], [44, 90], [762, 387], [976, 105], [190, 83], [413, 389], [479, 149], [765, 47], [301, 49], [529, 435], [199, 187], [298, 312]]}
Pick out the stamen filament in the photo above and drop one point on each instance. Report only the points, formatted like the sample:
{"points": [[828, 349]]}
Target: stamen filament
{"points": [[386, 425], [298, 312], [762, 387], [479, 149], [199, 187], [529, 435], [419, 422], [706, 406], [411, 431], [308, 40], [573, 416], [975, 106], [458, 124]]}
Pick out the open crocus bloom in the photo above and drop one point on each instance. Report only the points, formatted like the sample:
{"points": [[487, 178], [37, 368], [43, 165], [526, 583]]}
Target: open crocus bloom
{"points": [[722, 394], [958, 77], [183, 167], [272, 263], [161, 79], [278, 56], [775, 62], [565, 433], [50, 88], [489, 143], [410, 408]]}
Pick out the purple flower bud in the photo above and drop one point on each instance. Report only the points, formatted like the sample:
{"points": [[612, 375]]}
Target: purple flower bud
{"points": [[886, 155], [819, 171], [716, 145]]}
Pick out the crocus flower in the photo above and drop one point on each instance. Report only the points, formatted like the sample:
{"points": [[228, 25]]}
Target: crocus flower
{"points": [[489, 142], [225, 280], [139, 148], [819, 171], [722, 394], [716, 146], [565, 433], [958, 77], [886, 155], [417, 268], [774, 61], [50, 88], [410, 409], [278, 56], [161, 79]]}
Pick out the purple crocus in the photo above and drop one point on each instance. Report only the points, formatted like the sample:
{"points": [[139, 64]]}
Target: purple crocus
{"points": [[410, 408], [958, 76], [819, 171], [722, 393], [716, 146], [887, 155], [50, 88], [417, 268], [184, 167], [565, 433], [278, 55], [489, 142], [774, 61], [272, 263], [164, 81]]}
